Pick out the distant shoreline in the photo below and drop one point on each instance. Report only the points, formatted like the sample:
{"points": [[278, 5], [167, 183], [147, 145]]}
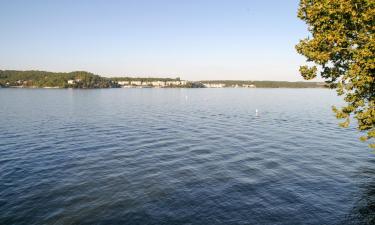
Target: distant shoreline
{"points": [[63, 88], [86, 80]]}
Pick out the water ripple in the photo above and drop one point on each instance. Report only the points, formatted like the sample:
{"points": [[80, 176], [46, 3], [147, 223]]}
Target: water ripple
{"points": [[152, 156]]}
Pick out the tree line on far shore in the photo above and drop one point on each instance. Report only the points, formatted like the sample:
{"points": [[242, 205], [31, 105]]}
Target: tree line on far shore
{"points": [[266, 84], [83, 79]]}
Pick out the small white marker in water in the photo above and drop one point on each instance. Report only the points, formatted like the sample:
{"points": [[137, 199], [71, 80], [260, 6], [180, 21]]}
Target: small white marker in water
{"points": [[186, 97], [256, 112]]}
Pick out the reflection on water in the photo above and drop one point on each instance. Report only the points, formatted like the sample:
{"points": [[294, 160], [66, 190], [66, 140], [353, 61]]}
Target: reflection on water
{"points": [[155, 156]]}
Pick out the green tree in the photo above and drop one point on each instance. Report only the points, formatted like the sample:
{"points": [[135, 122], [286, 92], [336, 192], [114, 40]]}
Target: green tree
{"points": [[341, 50]]}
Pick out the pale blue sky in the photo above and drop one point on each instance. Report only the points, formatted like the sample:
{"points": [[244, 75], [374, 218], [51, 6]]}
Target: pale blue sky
{"points": [[196, 39]]}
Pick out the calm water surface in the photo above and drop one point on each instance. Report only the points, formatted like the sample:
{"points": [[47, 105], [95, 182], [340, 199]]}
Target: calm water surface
{"points": [[180, 156]]}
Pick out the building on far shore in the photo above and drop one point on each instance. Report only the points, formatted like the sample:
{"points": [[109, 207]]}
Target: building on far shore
{"points": [[136, 82], [74, 81], [123, 83], [249, 86], [158, 83], [146, 83], [213, 85], [172, 83]]}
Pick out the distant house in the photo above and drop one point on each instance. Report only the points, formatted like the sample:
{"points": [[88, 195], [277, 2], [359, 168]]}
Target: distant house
{"points": [[173, 83], [158, 83], [74, 81], [123, 83], [249, 86], [146, 83], [136, 82], [183, 82], [212, 85]]}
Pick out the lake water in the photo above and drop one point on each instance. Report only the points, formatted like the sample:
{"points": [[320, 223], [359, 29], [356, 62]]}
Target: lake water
{"points": [[181, 156]]}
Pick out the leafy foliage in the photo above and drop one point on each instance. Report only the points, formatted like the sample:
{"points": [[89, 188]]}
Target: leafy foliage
{"points": [[341, 50]]}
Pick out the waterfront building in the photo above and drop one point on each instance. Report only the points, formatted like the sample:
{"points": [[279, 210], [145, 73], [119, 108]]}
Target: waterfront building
{"points": [[213, 85], [136, 82], [249, 86], [123, 83], [173, 83], [158, 83]]}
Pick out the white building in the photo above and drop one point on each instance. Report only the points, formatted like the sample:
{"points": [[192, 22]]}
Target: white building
{"points": [[210, 85], [158, 83], [173, 83], [71, 82], [123, 83], [146, 83], [249, 86]]}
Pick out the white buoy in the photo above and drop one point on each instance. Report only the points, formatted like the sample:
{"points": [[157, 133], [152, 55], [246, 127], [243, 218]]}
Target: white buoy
{"points": [[256, 112], [186, 97]]}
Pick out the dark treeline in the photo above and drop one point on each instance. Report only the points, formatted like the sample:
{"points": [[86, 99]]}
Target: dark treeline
{"points": [[78, 79]]}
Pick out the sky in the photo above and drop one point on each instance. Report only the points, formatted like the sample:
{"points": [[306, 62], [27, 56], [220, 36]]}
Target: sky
{"points": [[194, 40]]}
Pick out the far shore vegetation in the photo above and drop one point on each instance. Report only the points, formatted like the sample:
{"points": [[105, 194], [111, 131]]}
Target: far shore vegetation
{"points": [[83, 79]]}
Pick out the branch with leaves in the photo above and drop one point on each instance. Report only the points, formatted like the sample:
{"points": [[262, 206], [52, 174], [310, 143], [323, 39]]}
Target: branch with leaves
{"points": [[341, 50]]}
